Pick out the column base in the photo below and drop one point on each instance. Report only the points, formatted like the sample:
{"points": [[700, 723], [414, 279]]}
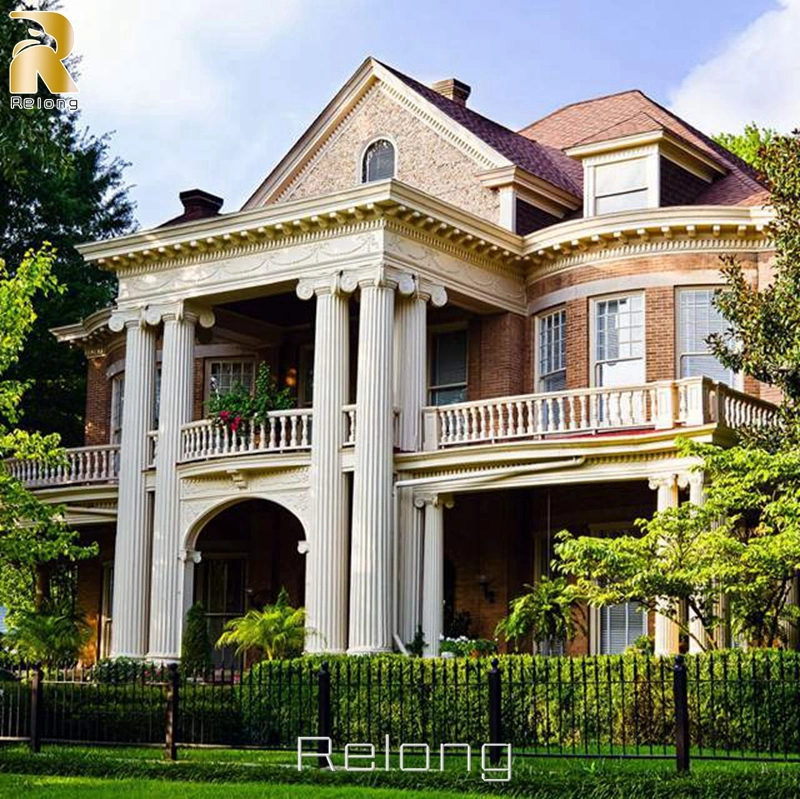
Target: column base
{"points": [[370, 651], [163, 659]]}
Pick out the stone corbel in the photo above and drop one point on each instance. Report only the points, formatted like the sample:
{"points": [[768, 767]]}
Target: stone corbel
{"points": [[193, 556], [302, 547]]}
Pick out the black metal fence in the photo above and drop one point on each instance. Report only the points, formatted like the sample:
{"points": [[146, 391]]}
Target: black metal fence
{"points": [[730, 705]]}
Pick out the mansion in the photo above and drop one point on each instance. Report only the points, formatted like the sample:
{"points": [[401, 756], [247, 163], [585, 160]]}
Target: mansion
{"points": [[488, 336]]}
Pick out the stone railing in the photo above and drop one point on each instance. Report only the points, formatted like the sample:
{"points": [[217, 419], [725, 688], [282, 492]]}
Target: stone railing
{"points": [[350, 425], [82, 465], [657, 406], [280, 431]]}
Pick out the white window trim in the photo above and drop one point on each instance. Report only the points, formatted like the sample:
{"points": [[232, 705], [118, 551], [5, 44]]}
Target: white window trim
{"points": [[652, 169], [537, 374], [114, 424], [432, 333], [363, 151], [738, 377], [593, 335], [207, 371]]}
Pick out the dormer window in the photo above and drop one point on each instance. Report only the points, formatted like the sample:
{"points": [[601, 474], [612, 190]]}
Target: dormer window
{"points": [[620, 186], [378, 161]]}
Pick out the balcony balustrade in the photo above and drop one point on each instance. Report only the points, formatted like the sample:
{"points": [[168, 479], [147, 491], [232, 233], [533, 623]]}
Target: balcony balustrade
{"points": [[280, 431], [82, 465], [689, 402]]}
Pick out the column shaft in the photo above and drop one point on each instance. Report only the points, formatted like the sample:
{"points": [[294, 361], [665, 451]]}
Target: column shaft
{"points": [[371, 549], [697, 630], [410, 569], [175, 410], [132, 551], [327, 558], [667, 632], [433, 577]]}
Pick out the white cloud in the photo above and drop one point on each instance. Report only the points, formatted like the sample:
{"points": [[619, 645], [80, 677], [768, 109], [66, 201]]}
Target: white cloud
{"points": [[147, 58], [755, 77]]}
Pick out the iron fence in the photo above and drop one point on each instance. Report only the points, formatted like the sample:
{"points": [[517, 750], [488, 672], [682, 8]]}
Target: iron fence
{"points": [[730, 705]]}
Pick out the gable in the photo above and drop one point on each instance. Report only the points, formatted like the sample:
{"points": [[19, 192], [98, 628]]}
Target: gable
{"points": [[425, 157]]}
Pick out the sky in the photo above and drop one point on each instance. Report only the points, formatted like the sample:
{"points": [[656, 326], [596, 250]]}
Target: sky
{"points": [[208, 94]]}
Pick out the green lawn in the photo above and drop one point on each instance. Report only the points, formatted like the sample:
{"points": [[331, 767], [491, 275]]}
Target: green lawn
{"points": [[12, 785]]}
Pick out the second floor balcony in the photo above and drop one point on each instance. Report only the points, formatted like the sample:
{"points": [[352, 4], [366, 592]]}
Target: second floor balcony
{"points": [[678, 405]]}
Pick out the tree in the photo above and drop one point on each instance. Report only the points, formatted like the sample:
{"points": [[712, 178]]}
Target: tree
{"points": [[58, 183], [196, 645], [545, 612], [34, 539], [277, 631], [748, 145]]}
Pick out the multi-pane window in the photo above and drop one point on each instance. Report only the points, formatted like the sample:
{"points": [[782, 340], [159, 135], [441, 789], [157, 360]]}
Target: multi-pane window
{"points": [[620, 626], [619, 341], [117, 401], [552, 351], [220, 585], [378, 162], [620, 186], [698, 318], [226, 375], [448, 374]]}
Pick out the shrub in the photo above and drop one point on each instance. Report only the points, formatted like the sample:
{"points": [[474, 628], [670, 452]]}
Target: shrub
{"points": [[196, 645]]}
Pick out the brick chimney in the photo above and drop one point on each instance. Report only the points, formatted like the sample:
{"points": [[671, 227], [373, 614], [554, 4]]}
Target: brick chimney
{"points": [[197, 204], [453, 89]]}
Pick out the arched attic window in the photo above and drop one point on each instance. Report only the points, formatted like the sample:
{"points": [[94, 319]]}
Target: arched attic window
{"points": [[378, 161]]}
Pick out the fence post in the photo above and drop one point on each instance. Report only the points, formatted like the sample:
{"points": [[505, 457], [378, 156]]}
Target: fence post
{"points": [[36, 709], [323, 712], [495, 726], [681, 696], [171, 728]]}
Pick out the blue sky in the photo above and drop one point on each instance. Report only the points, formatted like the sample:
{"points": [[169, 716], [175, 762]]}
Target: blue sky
{"points": [[210, 95]]}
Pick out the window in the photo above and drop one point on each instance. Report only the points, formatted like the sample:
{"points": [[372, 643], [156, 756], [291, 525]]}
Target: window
{"points": [[698, 318], [552, 365], [220, 585], [117, 401], [378, 161], [157, 397], [620, 626], [620, 186], [619, 341], [448, 376], [305, 388], [225, 375], [106, 610]]}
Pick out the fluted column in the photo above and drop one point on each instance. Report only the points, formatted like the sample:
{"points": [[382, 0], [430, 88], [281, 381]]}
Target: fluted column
{"points": [[667, 632], [132, 548], [327, 554], [410, 382], [175, 410], [371, 565], [433, 571], [697, 496]]}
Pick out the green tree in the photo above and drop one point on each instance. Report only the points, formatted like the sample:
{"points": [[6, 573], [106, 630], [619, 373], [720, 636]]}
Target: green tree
{"points": [[543, 612], [34, 540], [58, 183], [277, 631], [196, 645], [749, 144]]}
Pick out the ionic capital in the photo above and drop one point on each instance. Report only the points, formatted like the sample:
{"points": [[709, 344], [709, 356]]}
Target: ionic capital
{"points": [[128, 317], [335, 283], [434, 500], [694, 479], [433, 293], [382, 276], [663, 481], [180, 311]]}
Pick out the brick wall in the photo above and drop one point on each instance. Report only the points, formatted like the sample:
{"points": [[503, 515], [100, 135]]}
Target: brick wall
{"points": [[678, 187], [97, 417], [659, 324], [499, 359]]}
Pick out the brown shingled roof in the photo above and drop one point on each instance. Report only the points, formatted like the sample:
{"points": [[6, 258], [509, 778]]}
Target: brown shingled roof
{"points": [[542, 160], [582, 122]]}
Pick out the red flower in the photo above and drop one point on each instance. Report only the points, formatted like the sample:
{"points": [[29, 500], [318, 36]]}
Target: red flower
{"points": [[224, 415], [235, 424]]}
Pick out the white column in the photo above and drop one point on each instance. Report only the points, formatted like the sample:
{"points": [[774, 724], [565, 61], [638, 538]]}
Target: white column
{"points": [[371, 565], [667, 632], [327, 552], [410, 382], [175, 410], [132, 549], [189, 558], [433, 571], [697, 496]]}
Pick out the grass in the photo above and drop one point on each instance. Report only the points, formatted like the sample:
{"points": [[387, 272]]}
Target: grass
{"points": [[45, 787]]}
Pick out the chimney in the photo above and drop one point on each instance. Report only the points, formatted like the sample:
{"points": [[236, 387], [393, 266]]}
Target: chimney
{"points": [[453, 89], [199, 204]]}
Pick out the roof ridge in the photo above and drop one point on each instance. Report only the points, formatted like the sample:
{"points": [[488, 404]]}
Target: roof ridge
{"points": [[618, 123], [580, 102]]}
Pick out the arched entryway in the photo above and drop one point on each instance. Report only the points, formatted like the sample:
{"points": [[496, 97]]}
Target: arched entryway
{"points": [[248, 552]]}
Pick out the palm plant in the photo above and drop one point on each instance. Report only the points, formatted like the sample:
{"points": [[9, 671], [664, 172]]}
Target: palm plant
{"points": [[545, 612], [278, 631], [52, 635]]}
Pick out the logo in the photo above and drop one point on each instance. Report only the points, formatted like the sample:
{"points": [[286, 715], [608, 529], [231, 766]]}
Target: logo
{"points": [[43, 55]]}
